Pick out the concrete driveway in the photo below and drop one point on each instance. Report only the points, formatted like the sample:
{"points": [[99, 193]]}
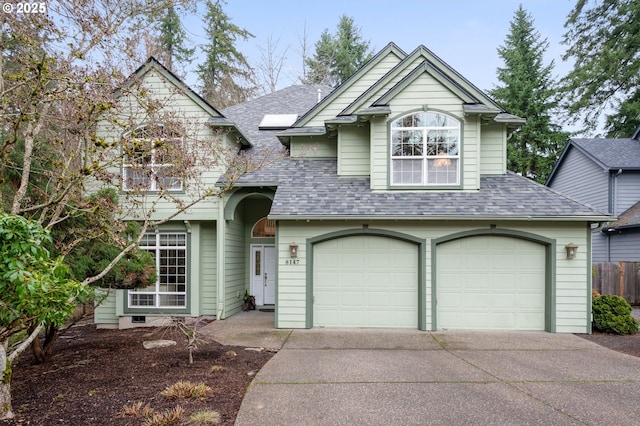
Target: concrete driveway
{"points": [[375, 377]]}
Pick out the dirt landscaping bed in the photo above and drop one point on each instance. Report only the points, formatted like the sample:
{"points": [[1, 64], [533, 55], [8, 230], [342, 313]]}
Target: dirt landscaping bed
{"points": [[626, 344], [94, 374]]}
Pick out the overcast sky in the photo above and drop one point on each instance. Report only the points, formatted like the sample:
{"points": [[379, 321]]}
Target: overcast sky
{"points": [[464, 33]]}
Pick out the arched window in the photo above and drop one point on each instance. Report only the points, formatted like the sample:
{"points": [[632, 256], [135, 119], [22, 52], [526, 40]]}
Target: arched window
{"points": [[264, 228], [425, 150]]}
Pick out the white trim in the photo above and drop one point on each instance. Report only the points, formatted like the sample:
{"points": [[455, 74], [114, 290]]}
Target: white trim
{"points": [[424, 158], [253, 290], [156, 247], [152, 169]]}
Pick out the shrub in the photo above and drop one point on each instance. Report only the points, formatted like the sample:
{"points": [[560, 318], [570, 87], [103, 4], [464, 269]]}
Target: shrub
{"points": [[167, 418], [612, 314], [205, 417], [136, 410], [185, 390]]}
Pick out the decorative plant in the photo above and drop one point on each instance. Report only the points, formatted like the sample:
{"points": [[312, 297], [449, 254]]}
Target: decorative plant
{"points": [[249, 301], [612, 314]]}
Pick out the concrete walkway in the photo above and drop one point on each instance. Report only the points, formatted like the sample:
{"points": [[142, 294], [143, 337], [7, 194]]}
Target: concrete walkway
{"points": [[375, 377]]}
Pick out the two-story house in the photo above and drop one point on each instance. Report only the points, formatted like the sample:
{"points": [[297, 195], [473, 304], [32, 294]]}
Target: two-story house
{"points": [[393, 208], [605, 174]]}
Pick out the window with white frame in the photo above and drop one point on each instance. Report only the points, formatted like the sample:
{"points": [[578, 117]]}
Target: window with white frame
{"points": [[425, 150], [170, 288], [147, 159]]}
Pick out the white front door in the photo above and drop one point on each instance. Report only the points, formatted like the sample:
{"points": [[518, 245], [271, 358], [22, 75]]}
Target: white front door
{"points": [[263, 274]]}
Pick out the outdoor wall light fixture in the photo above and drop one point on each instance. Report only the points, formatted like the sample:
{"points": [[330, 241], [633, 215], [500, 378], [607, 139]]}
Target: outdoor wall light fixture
{"points": [[293, 249], [571, 249]]}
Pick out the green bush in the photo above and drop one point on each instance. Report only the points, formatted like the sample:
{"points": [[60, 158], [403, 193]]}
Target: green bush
{"points": [[612, 314]]}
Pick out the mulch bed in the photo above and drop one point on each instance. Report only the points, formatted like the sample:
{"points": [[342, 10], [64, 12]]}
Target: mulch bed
{"points": [[93, 374], [626, 344]]}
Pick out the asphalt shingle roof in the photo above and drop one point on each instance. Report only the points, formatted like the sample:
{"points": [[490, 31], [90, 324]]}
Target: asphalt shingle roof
{"points": [[312, 188], [292, 100], [612, 153], [628, 219]]}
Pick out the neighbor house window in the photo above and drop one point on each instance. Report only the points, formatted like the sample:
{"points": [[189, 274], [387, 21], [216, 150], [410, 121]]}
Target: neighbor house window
{"points": [[147, 159], [425, 150], [170, 288]]}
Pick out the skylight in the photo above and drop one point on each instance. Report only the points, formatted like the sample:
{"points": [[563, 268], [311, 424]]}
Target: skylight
{"points": [[277, 121]]}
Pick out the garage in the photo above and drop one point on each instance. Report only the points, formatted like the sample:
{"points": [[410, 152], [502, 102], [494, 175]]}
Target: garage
{"points": [[365, 281], [491, 282]]}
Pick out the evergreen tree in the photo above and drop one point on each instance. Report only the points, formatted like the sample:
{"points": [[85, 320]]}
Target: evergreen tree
{"points": [[320, 65], [527, 89], [604, 44], [227, 79], [339, 56], [171, 41], [351, 50]]}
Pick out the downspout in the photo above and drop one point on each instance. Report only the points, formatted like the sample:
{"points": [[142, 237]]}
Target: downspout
{"points": [[614, 193], [220, 287]]}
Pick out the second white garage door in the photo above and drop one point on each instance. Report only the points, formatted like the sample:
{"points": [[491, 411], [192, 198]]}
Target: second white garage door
{"points": [[491, 282], [365, 281]]}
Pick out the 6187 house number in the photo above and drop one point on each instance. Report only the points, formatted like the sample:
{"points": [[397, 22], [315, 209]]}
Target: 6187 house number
{"points": [[292, 262]]}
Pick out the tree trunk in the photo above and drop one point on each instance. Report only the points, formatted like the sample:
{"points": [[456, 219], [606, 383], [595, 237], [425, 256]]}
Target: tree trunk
{"points": [[42, 350], [5, 384]]}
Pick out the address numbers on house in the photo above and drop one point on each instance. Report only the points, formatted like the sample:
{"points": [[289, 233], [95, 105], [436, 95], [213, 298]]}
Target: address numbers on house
{"points": [[292, 262]]}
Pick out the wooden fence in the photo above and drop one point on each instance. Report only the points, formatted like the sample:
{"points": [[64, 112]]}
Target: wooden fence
{"points": [[621, 279]]}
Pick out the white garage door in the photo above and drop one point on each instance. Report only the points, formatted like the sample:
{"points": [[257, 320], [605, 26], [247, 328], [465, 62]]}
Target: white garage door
{"points": [[491, 282], [365, 281]]}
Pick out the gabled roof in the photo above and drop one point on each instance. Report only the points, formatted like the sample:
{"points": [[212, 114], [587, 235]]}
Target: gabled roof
{"points": [[312, 189], [390, 48], [152, 64], [629, 219], [216, 119], [375, 99], [446, 75], [609, 154]]}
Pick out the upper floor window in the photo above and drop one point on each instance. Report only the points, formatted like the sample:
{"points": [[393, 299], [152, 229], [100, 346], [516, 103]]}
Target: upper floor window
{"points": [[425, 150], [147, 159]]}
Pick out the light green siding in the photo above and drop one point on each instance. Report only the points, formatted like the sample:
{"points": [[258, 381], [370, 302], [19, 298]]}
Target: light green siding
{"points": [[202, 143], [389, 83], [493, 150], [208, 268], [571, 278], [331, 110], [105, 313], [314, 147], [234, 258], [202, 279], [424, 93], [354, 151]]}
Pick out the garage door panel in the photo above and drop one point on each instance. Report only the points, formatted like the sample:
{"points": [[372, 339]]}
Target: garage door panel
{"points": [[491, 282], [376, 279]]}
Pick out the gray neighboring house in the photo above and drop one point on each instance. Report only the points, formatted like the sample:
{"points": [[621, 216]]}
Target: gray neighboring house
{"points": [[605, 174]]}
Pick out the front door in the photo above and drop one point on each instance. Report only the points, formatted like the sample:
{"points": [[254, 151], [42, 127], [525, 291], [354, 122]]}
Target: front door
{"points": [[263, 274]]}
